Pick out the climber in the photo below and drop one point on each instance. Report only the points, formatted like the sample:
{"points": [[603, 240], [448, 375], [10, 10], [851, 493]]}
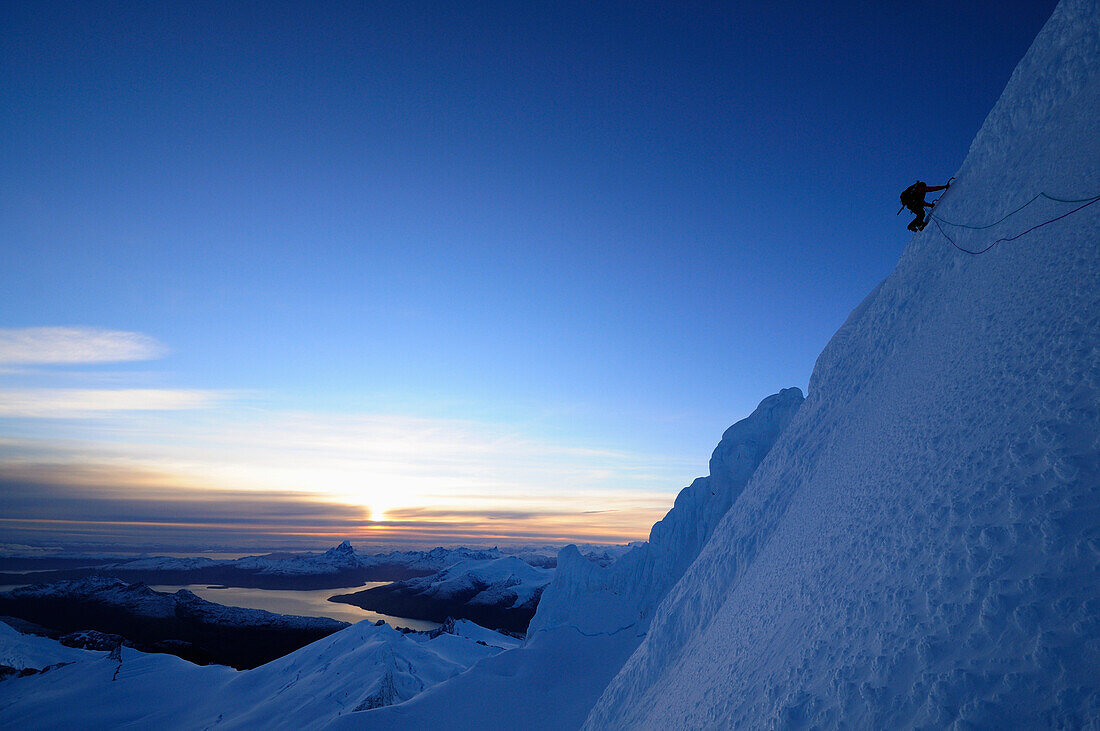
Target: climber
{"points": [[913, 199]]}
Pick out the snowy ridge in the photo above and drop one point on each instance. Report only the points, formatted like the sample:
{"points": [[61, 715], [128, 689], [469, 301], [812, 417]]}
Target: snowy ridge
{"points": [[364, 666], [162, 563], [594, 599], [920, 546], [477, 633]]}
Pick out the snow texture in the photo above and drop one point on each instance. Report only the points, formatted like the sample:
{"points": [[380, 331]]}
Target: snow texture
{"points": [[921, 546]]}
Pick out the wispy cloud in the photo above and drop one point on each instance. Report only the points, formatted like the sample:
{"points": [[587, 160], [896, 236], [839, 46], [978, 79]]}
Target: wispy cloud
{"points": [[92, 506], [68, 403], [72, 345], [84, 462], [382, 479]]}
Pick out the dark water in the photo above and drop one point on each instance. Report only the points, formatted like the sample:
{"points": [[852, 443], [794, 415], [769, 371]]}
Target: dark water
{"points": [[312, 603]]}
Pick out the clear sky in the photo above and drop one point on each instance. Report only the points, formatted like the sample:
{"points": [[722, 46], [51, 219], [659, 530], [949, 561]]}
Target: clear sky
{"points": [[276, 274]]}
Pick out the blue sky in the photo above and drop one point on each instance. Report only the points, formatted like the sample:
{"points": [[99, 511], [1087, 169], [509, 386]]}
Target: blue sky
{"points": [[546, 252]]}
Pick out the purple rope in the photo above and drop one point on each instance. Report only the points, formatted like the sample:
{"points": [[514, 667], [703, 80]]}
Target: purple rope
{"points": [[1010, 238]]}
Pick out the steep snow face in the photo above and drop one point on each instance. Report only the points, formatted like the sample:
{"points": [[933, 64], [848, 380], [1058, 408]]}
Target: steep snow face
{"points": [[594, 597], [920, 547]]}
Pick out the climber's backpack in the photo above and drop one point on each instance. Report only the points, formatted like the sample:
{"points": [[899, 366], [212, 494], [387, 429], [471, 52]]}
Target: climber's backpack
{"points": [[913, 196]]}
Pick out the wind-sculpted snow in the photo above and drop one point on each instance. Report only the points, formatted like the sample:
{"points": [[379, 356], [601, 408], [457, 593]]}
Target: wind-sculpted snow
{"points": [[921, 546], [596, 598]]}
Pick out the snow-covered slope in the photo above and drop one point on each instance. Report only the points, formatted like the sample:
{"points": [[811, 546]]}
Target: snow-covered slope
{"points": [[594, 613], [921, 547], [363, 666], [20, 651]]}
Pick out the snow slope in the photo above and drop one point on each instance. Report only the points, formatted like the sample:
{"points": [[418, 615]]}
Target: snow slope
{"points": [[593, 614], [21, 651], [549, 683], [365, 665], [922, 545]]}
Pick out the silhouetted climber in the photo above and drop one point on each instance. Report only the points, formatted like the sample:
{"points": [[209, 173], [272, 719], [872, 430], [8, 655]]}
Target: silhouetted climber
{"points": [[913, 199]]}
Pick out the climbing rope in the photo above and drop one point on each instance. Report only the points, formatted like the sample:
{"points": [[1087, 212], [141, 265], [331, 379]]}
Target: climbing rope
{"points": [[937, 220]]}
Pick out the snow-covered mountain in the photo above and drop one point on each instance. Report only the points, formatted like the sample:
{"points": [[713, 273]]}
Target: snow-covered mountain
{"points": [[344, 558], [495, 592], [595, 612], [921, 546], [364, 666], [180, 623], [338, 567], [26, 652]]}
